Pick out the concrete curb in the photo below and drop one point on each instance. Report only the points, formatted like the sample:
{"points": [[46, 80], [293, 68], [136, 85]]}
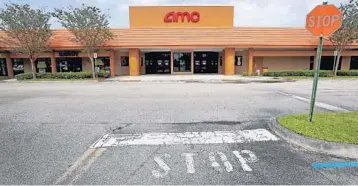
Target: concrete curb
{"points": [[204, 81], [337, 149]]}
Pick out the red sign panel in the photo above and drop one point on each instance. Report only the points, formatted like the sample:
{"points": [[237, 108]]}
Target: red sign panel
{"points": [[174, 17], [324, 20]]}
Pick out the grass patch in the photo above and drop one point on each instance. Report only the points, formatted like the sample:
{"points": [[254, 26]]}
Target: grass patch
{"points": [[335, 127], [59, 80]]}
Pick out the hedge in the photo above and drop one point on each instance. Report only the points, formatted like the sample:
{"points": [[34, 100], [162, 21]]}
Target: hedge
{"points": [[62, 75], [347, 73], [322, 73]]}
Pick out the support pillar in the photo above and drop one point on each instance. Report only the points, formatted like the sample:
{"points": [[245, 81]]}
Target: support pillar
{"points": [[134, 62], [229, 65], [53, 63], [10, 70], [251, 62], [112, 63]]}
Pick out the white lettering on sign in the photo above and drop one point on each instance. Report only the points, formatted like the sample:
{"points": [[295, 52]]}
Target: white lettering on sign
{"points": [[323, 21], [189, 162], [244, 157], [161, 164]]}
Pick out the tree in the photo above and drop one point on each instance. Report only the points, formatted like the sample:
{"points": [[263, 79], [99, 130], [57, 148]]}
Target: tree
{"points": [[89, 26], [348, 33], [28, 30]]}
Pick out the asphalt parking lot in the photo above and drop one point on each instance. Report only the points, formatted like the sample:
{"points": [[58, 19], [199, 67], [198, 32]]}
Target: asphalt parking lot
{"points": [[47, 133]]}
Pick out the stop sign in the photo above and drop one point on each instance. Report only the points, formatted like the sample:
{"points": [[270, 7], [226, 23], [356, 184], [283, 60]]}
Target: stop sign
{"points": [[324, 20]]}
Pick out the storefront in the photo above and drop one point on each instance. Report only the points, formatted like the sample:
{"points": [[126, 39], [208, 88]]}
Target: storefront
{"points": [[185, 40]]}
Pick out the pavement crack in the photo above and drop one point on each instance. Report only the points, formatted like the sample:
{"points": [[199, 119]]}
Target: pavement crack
{"points": [[122, 127], [133, 173]]}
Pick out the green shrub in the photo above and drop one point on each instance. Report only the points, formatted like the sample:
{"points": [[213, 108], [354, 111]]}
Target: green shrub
{"points": [[23, 76], [62, 75], [103, 74], [322, 73], [347, 73]]}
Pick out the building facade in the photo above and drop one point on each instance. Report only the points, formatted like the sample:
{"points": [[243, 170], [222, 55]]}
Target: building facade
{"points": [[185, 40]]}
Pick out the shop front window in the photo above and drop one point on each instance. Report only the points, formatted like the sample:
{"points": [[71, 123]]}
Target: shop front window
{"points": [[3, 68], [124, 61], [102, 64], [43, 65], [18, 66], [182, 62], [69, 64]]}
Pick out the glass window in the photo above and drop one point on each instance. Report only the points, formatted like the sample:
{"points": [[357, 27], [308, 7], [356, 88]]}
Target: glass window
{"points": [[18, 66], [182, 62], [124, 61], [69, 64], [103, 64], [238, 60], [354, 63], [43, 65], [3, 67]]}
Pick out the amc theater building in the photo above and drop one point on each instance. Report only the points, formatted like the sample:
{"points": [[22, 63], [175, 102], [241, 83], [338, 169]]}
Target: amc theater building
{"points": [[184, 40]]}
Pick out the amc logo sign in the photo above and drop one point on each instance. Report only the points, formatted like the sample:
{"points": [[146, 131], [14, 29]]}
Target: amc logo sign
{"points": [[174, 17]]}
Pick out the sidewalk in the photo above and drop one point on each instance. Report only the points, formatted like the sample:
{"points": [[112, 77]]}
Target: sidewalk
{"points": [[202, 78]]}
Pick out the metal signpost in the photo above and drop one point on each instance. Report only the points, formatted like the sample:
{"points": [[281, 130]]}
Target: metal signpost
{"points": [[322, 21]]}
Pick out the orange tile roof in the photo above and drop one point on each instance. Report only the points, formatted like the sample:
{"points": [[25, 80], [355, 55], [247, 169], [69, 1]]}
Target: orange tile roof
{"points": [[244, 37]]}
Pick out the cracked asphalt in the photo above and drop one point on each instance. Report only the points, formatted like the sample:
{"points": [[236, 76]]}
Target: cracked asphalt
{"points": [[47, 128]]}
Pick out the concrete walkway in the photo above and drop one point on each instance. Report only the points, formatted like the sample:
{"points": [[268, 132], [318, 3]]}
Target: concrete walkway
{"points": [[205, 78]]}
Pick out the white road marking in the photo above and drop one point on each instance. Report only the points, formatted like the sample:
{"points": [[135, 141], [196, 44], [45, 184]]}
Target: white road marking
{"points": [[318, 104], [215, 137], [227, 164], [189, 162], [214, 164], [242, 161], [252, 157], [99, 142], [162, 165]]}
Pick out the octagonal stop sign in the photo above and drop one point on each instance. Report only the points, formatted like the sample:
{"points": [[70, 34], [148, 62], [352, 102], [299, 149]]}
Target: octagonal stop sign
{"points": [[324, 20]]}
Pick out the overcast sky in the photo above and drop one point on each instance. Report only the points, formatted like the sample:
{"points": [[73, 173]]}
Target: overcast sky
{"points": [[282, 13]]}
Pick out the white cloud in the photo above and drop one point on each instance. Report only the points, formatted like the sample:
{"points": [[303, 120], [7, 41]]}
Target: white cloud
{"points": [[273, 13]]}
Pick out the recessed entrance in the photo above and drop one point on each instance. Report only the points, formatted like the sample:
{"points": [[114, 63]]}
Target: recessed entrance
{"points": [[157, 63], [206, 62]]}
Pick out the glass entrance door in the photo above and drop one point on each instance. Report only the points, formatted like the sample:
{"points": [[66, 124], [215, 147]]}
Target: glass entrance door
{"points": [[182, 62], [3, 67], [157, 63], [206, 62]]}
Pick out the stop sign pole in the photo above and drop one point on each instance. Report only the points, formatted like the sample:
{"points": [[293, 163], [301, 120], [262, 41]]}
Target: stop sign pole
{"points": [[322, 21]]}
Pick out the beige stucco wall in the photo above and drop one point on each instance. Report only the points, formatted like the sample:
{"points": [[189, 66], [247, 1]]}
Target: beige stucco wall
{"points": [[286, 63], [346, 62], [27, 65], [86, 65], [119, 70]]}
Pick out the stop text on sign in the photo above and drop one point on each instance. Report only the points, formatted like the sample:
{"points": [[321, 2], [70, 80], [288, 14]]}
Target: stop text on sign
{"points": [[174, 17], [323, 21]]}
